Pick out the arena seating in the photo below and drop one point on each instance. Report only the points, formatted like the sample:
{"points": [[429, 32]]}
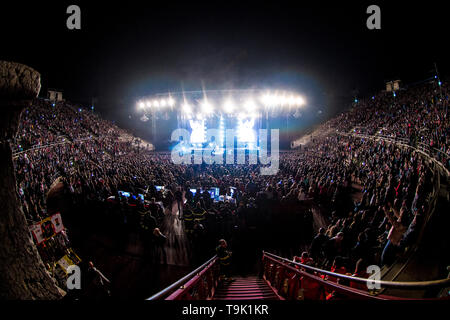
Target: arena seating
{"points": [[375, 194]]}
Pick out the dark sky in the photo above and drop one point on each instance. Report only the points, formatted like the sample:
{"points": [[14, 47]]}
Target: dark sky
{"points": [[127, 49]]}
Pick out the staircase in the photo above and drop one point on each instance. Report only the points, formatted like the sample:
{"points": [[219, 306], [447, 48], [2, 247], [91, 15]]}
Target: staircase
{"points": [[250, 288], [203, 283]]}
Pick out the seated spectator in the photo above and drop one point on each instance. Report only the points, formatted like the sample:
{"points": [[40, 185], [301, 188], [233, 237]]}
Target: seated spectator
{"points": [[337, 267], [303, 259]]}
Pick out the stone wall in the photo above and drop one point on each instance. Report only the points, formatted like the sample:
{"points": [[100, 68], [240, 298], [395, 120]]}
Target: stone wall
{"points": [[22, 272]]}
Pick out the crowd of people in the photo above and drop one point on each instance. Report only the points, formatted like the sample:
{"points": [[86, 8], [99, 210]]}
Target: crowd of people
{"points": [[374, 195], [397, 186], [417, 114], [48, 122]]}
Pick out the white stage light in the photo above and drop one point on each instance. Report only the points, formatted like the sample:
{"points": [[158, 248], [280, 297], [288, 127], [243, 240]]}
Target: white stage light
{"points": [[291, 101], [241, 116], [207, 107], [299, 101], [228, 106], [273, 100], [198, 131], [245, 130], [250, 105], [222, 132], [156, 103], [162, 103], [266, 99], [186, 108], [141, 105], [171, 102], [276, 100], [149, 104]]}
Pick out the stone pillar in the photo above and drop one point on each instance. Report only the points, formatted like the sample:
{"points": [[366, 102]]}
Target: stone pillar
{"points": [[22, 272]]}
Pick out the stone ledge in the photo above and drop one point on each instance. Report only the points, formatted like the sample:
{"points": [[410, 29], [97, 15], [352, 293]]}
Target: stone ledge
{"points": [[18, 81]]}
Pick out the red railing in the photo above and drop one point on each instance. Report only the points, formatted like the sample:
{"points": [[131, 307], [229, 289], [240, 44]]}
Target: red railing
{"points": [[292, 281], [200, 284], [295, 281]]}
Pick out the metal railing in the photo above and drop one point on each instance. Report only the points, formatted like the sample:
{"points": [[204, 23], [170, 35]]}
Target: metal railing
{"points": [[35, 147], [280, 273], [200, 284], [436, 155], [63, 140], [426, 151]]}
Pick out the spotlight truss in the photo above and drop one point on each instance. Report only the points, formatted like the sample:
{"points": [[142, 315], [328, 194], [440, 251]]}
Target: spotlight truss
{"points": [[199, 105]]}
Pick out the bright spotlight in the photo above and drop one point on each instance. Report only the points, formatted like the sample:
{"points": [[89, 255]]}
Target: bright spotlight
{"points": [[228, 106], [241, 115], [245, 131], [299, 101], [156, 103], [141, 105], [149, 104], [162, 103], [277, 100], [198, 131], [274, 100], [250, 106], [207, 107], [266, 99], [291, 100], [171, 102], [186, 108]]}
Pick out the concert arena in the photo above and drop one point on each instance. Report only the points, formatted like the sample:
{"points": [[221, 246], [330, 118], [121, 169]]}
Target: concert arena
{"points": [[245, 158]]}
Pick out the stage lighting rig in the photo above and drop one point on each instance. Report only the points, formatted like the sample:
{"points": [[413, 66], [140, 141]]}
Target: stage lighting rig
{"points": [[207, 107], [214, 104], [228, 106]]}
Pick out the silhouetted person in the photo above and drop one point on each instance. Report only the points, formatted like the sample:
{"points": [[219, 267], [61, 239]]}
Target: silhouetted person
{"points": [[317, 244], [160, 242], [224, 256], [179, 199], [97, 287]]}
